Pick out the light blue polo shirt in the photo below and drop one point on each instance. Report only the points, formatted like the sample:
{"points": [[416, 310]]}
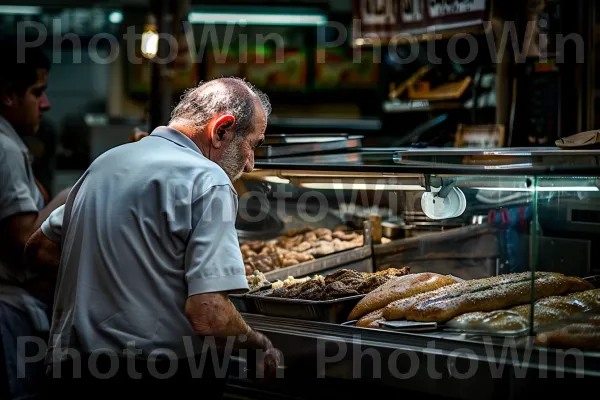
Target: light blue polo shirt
{"points": [[147, 225], [19, 193]]}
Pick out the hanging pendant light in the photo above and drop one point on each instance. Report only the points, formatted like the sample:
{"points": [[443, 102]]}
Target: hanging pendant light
{"points": [[150, 38]]}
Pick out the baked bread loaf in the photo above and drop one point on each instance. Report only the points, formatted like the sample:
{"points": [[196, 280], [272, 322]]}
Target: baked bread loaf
{"points": [[498, 297], [584, 334], [399, 288], [500, 320], [590, 297], [371, 320], [399, 309], [547, 310]]}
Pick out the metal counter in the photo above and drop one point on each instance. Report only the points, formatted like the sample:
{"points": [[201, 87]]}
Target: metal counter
{"points": [[345, 358]]}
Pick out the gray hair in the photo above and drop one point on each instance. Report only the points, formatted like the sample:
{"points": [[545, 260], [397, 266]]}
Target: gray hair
{"points": [[233, 96]]}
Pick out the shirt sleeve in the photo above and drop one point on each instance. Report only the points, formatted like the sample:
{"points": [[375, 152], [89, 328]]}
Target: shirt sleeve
{"points": [[52, 226], [213, 261], [15, 194]]}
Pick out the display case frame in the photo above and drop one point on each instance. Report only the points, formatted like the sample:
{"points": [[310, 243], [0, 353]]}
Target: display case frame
{"points": [[545, 178]]}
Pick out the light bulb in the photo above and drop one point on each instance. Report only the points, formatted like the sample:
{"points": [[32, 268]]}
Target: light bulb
{"points": [[149, 43]]}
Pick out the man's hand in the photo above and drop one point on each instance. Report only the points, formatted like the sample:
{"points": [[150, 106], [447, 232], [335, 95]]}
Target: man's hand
{"points": [[263, 363], [267, 366]]}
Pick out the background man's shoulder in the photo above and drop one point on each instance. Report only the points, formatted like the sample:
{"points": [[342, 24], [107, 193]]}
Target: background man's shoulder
{"points": [[7, 144], [9, 150]]}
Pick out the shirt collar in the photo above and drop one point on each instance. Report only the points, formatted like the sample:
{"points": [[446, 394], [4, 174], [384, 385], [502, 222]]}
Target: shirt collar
{"points": [[176, 137], [7, 130]]}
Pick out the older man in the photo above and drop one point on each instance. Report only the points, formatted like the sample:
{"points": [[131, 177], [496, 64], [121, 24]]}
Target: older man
{"points": [[149, 251]]}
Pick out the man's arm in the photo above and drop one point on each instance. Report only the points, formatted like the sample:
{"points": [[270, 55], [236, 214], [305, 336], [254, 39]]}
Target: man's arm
{"points": [[19, 213], [213, 269], [213, 315], [16, 229], [42, 255]]}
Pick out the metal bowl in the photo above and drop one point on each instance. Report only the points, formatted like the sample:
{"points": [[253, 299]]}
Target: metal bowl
{"points": [[392, 230]]}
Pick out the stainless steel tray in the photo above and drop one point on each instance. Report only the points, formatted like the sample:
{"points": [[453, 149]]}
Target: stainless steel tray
{"points": [[327, 262], [411, 326], [243, 303], [331, 311], [317, 146]]}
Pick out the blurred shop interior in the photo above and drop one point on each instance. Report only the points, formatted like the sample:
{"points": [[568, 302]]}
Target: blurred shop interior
{"points": [[333, 79]]}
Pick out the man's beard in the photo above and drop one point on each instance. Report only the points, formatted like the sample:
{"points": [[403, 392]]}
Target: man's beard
{"points": [[231, 162]]}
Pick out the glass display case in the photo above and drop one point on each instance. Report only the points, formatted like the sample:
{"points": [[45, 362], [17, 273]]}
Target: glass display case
{"points": [[468, 248]]}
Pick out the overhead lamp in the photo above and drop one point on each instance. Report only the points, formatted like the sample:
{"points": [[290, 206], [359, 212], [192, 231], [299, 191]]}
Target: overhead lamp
{"points": [[255, 17], [542, 189], [276, 179], [20, 10], [115, 17], [150, 38], [360, 186]]}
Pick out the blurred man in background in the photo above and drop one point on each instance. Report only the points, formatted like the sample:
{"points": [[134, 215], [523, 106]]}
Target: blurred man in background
{"points": [[24, 205]]}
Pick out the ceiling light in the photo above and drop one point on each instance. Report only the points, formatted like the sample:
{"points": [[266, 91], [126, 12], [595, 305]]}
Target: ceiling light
{"points": [[360, 186], [276, 179], [257, 18], [20, 10], [115, 17], [150, 38], [542, 189]]}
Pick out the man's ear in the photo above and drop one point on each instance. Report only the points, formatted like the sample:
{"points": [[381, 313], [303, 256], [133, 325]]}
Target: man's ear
{"points": [[6, 99], [220, 128]]}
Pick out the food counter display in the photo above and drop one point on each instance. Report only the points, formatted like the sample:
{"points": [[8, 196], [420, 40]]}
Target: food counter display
{"points": [[481, 278]]}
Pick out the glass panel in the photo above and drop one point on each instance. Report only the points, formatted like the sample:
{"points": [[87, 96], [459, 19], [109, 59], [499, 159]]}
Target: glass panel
{"points": [[569, 243], [496, 233], [469, 162]]}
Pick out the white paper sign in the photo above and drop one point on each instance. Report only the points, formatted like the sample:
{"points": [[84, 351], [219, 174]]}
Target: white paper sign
{"points": [[442, 8]]}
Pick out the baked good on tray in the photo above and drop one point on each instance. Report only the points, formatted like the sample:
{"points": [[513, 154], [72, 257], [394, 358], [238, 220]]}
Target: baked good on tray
{"points": [[295, 247], [371, 320], [497, 297], [495, 303], [399, 288], [581, 333], [339, 284], [546, 311]]}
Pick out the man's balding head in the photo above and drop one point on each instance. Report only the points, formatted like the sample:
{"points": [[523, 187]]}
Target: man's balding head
{"points": [[226, 118], [232, 96]]}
